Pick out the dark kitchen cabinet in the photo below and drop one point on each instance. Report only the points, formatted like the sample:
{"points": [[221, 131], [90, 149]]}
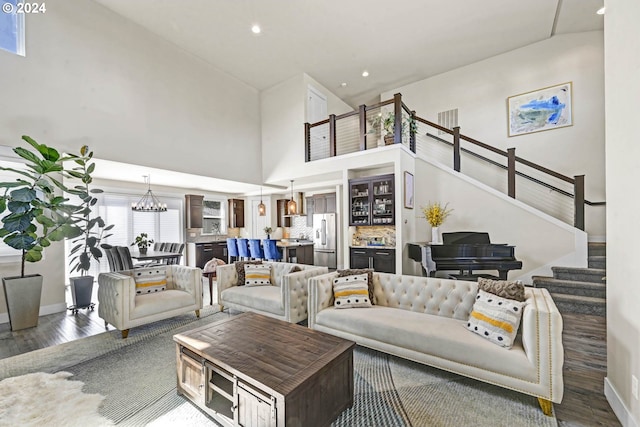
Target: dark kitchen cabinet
{"points": [[193, 203], [381, 260], [282, 220], [207, 251], [236, 213], [372, 200]]}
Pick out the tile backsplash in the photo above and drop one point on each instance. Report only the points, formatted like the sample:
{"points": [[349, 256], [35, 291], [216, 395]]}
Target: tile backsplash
{"points": [[376, 232], [299, 228]]}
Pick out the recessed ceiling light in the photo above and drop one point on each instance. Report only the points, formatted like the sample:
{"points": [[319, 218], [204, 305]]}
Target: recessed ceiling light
{"points": [[256, 29], [600, 11], [343, 84], [365, 73]]}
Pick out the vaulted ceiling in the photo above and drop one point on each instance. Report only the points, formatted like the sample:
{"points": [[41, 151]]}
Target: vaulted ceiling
{"points": [[334, 41]]}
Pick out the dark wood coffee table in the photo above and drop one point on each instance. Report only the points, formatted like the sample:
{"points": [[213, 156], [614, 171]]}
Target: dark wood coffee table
{"points": [[253, 370]]}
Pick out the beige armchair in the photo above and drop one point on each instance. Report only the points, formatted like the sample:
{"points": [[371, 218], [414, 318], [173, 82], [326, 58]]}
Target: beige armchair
{"points": [[285, 299], [120, 306]]}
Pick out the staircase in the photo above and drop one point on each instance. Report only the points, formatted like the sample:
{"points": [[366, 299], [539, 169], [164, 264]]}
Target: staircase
{"points": [[579, 290]]}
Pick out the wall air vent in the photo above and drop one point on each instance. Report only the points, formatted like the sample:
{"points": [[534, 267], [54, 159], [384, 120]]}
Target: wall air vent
{"points": [[448, 119]]}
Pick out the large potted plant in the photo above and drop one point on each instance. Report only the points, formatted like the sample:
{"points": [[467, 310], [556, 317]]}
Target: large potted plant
{"points": [[87, 246], [37, 215], [386, 123]]}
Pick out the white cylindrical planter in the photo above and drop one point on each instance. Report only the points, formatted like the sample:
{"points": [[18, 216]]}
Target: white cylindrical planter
{"points": [[435, 235]]}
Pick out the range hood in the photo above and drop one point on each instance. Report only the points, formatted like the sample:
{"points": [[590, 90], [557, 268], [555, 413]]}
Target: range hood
{"points": [[298, 197]]}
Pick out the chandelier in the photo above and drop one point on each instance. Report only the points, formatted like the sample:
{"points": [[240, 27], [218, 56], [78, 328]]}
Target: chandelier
{"points": [[148, 202]]}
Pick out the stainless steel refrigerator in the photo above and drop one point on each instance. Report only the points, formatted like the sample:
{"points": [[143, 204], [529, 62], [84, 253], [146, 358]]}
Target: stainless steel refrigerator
{"points": [[324, 240]]}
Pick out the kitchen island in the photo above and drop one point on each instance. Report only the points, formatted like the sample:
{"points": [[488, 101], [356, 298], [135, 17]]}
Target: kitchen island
{"points": [[295, 251]]}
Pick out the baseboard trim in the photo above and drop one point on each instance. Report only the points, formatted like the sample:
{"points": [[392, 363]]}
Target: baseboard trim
{"points": [[618, 406], [44, 310]]}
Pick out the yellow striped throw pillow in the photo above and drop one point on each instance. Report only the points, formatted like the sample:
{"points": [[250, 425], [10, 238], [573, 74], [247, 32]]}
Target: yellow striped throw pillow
{"points": [[351, 291], [257, 274], [150, 280], [495, 318]]}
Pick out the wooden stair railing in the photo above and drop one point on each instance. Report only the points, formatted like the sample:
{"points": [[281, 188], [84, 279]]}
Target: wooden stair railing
{"points": [[399, 107]]}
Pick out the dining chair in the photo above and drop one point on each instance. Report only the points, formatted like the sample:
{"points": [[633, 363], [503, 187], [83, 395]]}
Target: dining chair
{"points": [[157, 246], [271, 250], [255, 249], [125, 257], [243, 249], [232, 249], [113, 258], [176, 248]]}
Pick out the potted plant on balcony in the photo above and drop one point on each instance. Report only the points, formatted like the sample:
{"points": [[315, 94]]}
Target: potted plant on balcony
{"points": [[143, 242], [387, 122], [37, 215], [87, 246]]}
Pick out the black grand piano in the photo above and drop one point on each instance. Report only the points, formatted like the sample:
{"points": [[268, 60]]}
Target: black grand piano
{"points": [[466, 252]]}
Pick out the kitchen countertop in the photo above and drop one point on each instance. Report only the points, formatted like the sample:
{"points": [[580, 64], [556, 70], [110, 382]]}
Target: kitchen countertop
{"points": [[294, 244], [371, 247]]}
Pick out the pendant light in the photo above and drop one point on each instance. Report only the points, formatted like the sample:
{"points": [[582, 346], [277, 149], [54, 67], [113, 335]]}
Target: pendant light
{"points": [[292, 207], [148, 202], [262, 209]]}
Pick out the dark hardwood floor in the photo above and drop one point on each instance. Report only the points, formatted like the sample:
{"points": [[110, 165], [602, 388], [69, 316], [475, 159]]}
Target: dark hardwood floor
{"points": [[584, 338]]}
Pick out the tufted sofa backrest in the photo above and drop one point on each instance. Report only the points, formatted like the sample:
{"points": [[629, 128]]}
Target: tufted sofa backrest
{"points": [[442, 297], [279, 269]]}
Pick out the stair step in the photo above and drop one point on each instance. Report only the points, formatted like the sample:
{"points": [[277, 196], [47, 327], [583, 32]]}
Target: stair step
{"points": [[595, 275], [571, 287], [597, 261], [580, 304], [597, 248]]}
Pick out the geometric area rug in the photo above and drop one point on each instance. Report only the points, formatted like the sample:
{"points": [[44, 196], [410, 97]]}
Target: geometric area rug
{"points": [[138, 381]]}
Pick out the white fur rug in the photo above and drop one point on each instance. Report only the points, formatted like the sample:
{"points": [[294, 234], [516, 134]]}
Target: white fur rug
{"points": [[42, 399]]}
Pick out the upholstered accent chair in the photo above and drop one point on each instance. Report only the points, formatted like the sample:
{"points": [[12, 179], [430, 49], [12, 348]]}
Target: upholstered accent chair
{"points": [[121, 306]]}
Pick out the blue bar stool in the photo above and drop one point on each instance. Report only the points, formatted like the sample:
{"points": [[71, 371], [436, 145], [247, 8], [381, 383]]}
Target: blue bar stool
{"points": [[243, 249], [271, 251], [255, 249], [232, 249]]}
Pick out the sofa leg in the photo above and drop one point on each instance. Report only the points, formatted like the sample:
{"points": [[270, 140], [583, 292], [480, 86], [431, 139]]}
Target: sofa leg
{"points": [[221, 308], [197, 313], [106, 325], [125, 333], [546, 406]]}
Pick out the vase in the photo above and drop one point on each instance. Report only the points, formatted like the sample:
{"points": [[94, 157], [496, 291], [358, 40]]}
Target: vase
{"points": [[435, 236]]}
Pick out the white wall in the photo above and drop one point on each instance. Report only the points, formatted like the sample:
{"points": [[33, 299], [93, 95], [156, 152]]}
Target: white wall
{"points": [[284, 113], [91, 77], [540, 240], [622, 68], [480, 93]]}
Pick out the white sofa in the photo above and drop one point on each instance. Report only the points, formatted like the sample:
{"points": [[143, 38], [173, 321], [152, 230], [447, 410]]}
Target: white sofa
{"points": [[285, 299], [119, 305], [424, 319]]}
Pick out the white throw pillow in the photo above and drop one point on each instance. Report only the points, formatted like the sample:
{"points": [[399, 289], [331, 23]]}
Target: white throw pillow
{"points": [[257, 274], [351, 291], [150, 280], [495, 318]]}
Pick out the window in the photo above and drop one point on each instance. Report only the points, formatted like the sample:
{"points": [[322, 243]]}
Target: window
{"points": [[213, 217], [7, 253], [160, 226], [12, 28]]}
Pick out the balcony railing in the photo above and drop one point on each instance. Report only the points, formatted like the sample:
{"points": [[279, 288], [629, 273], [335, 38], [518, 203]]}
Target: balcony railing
{"points": [[392, 122]]}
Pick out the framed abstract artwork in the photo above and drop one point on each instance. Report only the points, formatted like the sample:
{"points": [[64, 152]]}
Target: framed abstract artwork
{"points": [[408, 190], [543, 109]]}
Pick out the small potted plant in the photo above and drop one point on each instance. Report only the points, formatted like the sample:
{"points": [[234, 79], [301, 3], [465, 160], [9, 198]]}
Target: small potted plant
{"points": [[143, 242], [268, 230], [387, 124]]}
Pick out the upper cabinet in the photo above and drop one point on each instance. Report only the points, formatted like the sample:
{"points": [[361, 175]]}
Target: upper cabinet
{"points": [[193, 210], [372, 200], [236, 213], [320, 203]]}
